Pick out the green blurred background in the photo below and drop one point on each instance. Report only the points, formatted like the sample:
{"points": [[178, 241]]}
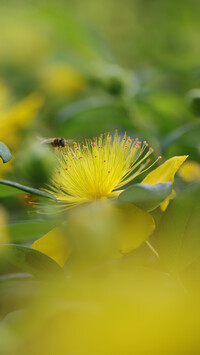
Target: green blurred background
{"points": [[79, 68]]}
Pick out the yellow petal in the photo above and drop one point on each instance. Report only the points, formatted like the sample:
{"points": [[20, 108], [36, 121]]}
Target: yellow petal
{"points": [[55, 245], [166, 171], [190, 171], [165, 203]]}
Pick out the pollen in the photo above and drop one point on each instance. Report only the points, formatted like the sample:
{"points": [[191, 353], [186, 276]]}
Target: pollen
{"points": [[98, 168]]}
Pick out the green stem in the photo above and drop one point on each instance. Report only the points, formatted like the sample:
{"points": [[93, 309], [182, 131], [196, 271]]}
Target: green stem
{"points": [[27, 189]]}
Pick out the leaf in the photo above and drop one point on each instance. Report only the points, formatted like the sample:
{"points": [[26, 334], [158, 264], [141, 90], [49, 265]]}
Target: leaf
{"points": [[27, 189], [31, 261], [178, 133], [146, 196], [6, 191], [25, 230], [84, 105], [5, 153], [178, 231], [78, 38]]}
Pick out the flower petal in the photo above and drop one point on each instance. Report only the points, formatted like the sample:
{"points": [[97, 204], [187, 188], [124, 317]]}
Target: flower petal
{"points": [[55, 245], [165, 203], [163, 173], [166, 171]]}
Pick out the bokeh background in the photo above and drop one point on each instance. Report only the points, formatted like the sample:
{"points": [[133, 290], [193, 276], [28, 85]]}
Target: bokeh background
{"points": [[129, 65], [76, 69]]}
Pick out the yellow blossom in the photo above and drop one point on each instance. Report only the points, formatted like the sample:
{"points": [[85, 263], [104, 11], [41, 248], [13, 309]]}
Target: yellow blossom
{"points": [[16, 117], [98, 168], [96, 232], [190, 171], [13, 119], [62, 79]]}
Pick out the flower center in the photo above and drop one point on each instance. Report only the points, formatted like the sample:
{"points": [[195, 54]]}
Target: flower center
{"points": [[98, 167]]}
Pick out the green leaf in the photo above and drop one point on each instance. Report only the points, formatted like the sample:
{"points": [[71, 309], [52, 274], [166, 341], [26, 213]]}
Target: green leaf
{"points": [[5, 153], [177, 234], [146, 196], [6, 191], [178, 133], [27, 189], [31, 261], [26, 230]]}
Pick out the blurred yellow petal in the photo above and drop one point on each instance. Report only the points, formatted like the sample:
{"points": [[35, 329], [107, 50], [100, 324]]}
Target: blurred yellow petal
{"points": [[166, 171], [190, 171], [136, 225], [3, 226], [102, 231], [62, 79], [17, 117], [55, 245]]}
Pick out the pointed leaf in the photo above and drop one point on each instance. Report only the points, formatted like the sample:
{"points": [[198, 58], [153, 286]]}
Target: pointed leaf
{"points": [[25, 230], [178, 231], [27, 189], [31, 261], [146, 196], [5, 153]]}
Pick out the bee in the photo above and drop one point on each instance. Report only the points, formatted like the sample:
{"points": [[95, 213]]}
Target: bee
{"points": [[57, 142]]}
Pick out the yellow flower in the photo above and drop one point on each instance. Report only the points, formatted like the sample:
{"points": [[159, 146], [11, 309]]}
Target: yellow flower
{"points": [[190, 171], [16, 117], [98, 168], [13, 119], [96, 232], [62, 79], [94, 170]]}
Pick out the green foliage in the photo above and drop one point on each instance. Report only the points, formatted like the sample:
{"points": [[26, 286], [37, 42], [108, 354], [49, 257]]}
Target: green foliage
{"points": [[32, 261], [145, 196], [14, 185], [178, 231]]}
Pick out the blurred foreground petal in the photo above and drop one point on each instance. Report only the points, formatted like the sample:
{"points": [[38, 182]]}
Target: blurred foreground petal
{"points": [[102, 231]]}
